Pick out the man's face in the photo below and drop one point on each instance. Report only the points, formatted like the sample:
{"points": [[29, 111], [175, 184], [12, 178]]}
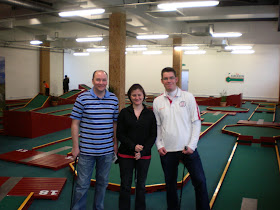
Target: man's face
{"points": [[169, 81], [100, 81]]}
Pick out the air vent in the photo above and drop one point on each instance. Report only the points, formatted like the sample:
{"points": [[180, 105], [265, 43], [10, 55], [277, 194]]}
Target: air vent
{"points": [[200, 31], [215, 43], [7, 24]]}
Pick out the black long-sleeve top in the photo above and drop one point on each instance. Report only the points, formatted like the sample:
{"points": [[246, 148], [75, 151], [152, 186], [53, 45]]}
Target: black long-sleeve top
{"points": [[132, 131]]}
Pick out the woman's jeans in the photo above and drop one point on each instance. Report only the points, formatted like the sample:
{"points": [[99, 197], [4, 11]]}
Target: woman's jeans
{"points": [[85, 168], [127, 166], [170, 163]]}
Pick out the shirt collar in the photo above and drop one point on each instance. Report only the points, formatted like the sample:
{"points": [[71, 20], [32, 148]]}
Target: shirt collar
{"points": [[179, 92], [107, 94]]}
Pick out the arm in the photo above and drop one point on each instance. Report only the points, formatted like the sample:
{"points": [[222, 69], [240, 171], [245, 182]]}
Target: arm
{"points": [[153, 135], [196, 127], [121, 132], [115, 137], [159, 142], [75, 137]]}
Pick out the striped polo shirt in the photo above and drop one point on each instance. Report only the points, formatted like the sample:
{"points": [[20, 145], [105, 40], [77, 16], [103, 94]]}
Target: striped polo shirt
{"points": [[96, 126]]}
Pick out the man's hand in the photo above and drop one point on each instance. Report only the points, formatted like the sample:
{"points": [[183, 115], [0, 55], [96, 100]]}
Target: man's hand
{"points": [[187, 151], [75, 152], [162, 151], [137, 155], [138, 148]]}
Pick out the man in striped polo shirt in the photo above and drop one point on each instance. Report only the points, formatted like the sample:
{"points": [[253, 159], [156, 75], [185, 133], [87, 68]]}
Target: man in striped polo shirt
{"points": [[95, 114]]}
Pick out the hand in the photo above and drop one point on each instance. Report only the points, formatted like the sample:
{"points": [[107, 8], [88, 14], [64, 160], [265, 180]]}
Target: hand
{"points": [[137, 155], [116, 148], [187, 151], [138, 148], [75, 152], [162, 151]]}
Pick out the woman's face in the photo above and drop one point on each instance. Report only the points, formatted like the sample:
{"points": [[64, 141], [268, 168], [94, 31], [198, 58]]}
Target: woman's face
{"points": [[137, 97]]}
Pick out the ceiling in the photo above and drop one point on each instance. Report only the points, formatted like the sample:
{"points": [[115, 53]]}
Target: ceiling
{"points": [[22, 21]]}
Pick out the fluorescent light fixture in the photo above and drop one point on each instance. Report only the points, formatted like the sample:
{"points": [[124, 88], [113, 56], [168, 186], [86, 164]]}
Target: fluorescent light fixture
{"points": [[136, 48], [89, 39], [81, 12], [243, 51], [160, 36], [228, 34], [196, 52], [172, 6], [238, 47], [152, 52], [186, 48], [36, 42], [81, 54], [96, 49]]}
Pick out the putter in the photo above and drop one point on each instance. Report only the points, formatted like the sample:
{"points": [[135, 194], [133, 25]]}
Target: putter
{"points": [[73, 182]]}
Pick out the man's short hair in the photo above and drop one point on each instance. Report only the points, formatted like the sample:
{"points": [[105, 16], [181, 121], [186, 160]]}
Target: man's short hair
{"points": [[135, 87], [98, 71], [168, 69]]}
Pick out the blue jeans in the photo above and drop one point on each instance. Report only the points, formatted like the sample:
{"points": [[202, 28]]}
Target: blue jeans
{"points": [[170, 163], [127, 165], [85, 168]]}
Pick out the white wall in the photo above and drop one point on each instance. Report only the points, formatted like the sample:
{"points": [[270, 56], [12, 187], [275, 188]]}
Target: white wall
{"points": [[80, 69], [146, 70], [207, 72], [22, 73]]}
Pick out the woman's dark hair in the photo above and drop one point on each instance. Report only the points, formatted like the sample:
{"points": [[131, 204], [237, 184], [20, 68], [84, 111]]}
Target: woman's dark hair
{"points": [[135, 87]]}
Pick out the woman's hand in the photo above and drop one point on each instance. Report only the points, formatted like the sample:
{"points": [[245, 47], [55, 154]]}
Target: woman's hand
{"points": [[138, 148], [137, 155]]}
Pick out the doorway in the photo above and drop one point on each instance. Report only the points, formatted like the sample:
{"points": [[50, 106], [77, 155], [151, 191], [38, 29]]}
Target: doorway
{"points": [[185, 79]]}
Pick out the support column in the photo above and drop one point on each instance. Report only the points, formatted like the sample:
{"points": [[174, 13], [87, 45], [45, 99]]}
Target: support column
{"points": [[279, 84], [117, 44], [177, 60], [44, 66]]}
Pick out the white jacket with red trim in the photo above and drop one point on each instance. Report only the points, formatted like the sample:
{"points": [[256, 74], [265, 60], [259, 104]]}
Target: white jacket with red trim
{"points": [[178, 121]]}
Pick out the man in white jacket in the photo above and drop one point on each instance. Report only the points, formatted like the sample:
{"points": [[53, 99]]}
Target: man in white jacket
{"points": [[178, 126]]}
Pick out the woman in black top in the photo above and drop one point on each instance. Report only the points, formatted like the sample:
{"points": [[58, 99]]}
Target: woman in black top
{"points": [[137, 132]]}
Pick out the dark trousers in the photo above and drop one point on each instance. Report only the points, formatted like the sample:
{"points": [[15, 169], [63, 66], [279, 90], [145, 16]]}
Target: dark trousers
{"points": [[170, 163], [47, 91], [126, 172]]}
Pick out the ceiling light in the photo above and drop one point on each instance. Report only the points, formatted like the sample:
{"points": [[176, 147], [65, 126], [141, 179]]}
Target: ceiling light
{"points": [[152, 52], [81, 12], [162, 36], [197, 52], [228, 34], [243, 51], [96, 49], [89, 39], [238, 47], [136, 48], [172, 6], [81, 54], [35, 42], [186, 48]]}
